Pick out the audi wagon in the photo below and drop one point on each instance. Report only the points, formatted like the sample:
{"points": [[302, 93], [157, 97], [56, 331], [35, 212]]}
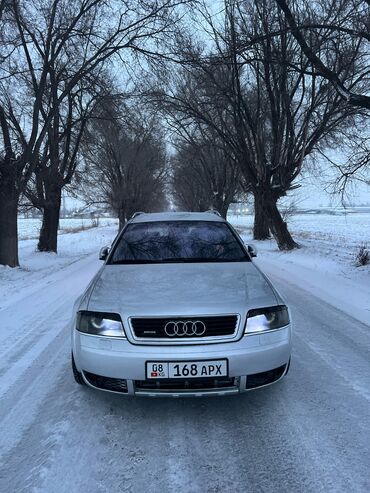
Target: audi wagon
{"points": [[179, 308]]}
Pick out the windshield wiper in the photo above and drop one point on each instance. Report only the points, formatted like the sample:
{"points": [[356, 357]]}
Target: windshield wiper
{"points": [[202, 259], [176, 260], [132, 261]]}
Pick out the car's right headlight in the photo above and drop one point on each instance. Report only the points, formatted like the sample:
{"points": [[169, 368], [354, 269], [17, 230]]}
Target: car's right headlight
{"points": [[265, 319], [100, 324]]}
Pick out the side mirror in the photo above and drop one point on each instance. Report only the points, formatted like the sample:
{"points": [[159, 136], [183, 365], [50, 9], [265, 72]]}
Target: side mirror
{"points": [[103, 254], [252, 250]]}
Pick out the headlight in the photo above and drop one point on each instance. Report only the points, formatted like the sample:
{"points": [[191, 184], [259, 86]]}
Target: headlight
{"points": [[263, 319], [100, 324]]}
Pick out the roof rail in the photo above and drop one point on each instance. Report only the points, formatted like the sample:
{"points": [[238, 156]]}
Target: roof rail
{"points": [[213, 211], [136, 214]]}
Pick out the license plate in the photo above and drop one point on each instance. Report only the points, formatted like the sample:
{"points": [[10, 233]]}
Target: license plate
{"points": [[186, 369]]}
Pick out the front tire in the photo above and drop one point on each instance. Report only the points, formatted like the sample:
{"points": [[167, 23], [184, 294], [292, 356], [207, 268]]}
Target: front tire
{"points": [[76, 374]]}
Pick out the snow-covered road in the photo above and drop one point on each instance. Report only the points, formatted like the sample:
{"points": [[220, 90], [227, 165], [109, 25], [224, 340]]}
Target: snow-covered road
{"points": [[310, 432]]}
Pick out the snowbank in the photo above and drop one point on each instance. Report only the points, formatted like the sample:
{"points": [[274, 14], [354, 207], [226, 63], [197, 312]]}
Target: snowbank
{"points": [[37, 268], [325, 263], [29, 229], [324, 266]]}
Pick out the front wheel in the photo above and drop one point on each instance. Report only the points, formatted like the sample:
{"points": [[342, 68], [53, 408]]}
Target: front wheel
{"points": [[76, 374]]}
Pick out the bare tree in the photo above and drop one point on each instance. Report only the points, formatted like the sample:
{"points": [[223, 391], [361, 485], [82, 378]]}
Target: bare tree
{"points": [[205, 176], [320, 30], [59, 157], [54, 46], [273, 115], [126, 163], [344, 23]]}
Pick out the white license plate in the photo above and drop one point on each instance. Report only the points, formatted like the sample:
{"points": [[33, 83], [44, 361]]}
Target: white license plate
{"points": [[186, 369]]}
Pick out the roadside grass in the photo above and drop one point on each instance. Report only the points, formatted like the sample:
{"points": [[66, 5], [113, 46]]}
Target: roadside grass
{"points": [[362, 256], [84, 226], [77, 229]]}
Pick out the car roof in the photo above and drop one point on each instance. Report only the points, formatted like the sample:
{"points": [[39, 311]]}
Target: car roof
{"points": [[144, 217]]}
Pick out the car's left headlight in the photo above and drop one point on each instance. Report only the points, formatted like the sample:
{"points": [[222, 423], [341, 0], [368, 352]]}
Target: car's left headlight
{"points": [[264, 319], [100, 324]]}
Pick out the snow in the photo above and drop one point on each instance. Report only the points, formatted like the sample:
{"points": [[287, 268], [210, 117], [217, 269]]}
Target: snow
{"points": [[326, 234], [29, 228], [325, 264], [37, 268], [309, 432]]}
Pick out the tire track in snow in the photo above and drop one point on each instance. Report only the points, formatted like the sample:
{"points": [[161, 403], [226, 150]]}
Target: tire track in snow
{"points": [[309, 432], [36, 327]]}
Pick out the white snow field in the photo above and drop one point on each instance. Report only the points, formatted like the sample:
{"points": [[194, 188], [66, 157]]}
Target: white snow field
{"points": [[308, 433], [325, 263], [29, 228]]}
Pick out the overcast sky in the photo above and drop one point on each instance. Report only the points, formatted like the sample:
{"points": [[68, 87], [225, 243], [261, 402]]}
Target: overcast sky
{"points": [[312, 194]]}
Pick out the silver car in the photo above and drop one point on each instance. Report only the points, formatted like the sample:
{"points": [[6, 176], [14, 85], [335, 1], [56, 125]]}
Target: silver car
{"points": [[179, 308]]}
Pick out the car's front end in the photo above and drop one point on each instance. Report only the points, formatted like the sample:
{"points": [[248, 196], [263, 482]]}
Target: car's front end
{"points": [[181, 328]]}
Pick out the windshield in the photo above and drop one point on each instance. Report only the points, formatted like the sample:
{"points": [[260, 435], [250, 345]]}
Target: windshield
{"points": [[178, 241]]}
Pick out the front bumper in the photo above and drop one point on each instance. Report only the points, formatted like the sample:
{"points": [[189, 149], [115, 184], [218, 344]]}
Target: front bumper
{"points": [[118, 359]]}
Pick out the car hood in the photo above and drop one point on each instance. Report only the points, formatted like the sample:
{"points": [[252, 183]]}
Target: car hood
{"points": [[180, 289]]}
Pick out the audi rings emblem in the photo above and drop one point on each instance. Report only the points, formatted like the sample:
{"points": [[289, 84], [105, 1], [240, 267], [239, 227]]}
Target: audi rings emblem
{"points": [[185, 328]]}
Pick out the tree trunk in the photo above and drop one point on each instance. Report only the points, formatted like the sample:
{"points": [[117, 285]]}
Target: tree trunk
{"points": [[8, 223], [121, 217], [261, 219], [48, 240], [222, 206], [223, 210], [279, 228]]}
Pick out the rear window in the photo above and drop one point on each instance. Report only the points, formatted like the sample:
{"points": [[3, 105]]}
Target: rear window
{"points": [[178, 241]]}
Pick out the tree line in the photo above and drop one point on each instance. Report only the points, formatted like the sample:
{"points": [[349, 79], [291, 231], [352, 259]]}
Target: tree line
{"points": [[54, 59], [136, 104]]}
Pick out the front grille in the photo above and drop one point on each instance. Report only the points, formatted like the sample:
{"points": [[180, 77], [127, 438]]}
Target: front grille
{"points": [[155, 328], [106, 383], [192, 384], [264, 378]]}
